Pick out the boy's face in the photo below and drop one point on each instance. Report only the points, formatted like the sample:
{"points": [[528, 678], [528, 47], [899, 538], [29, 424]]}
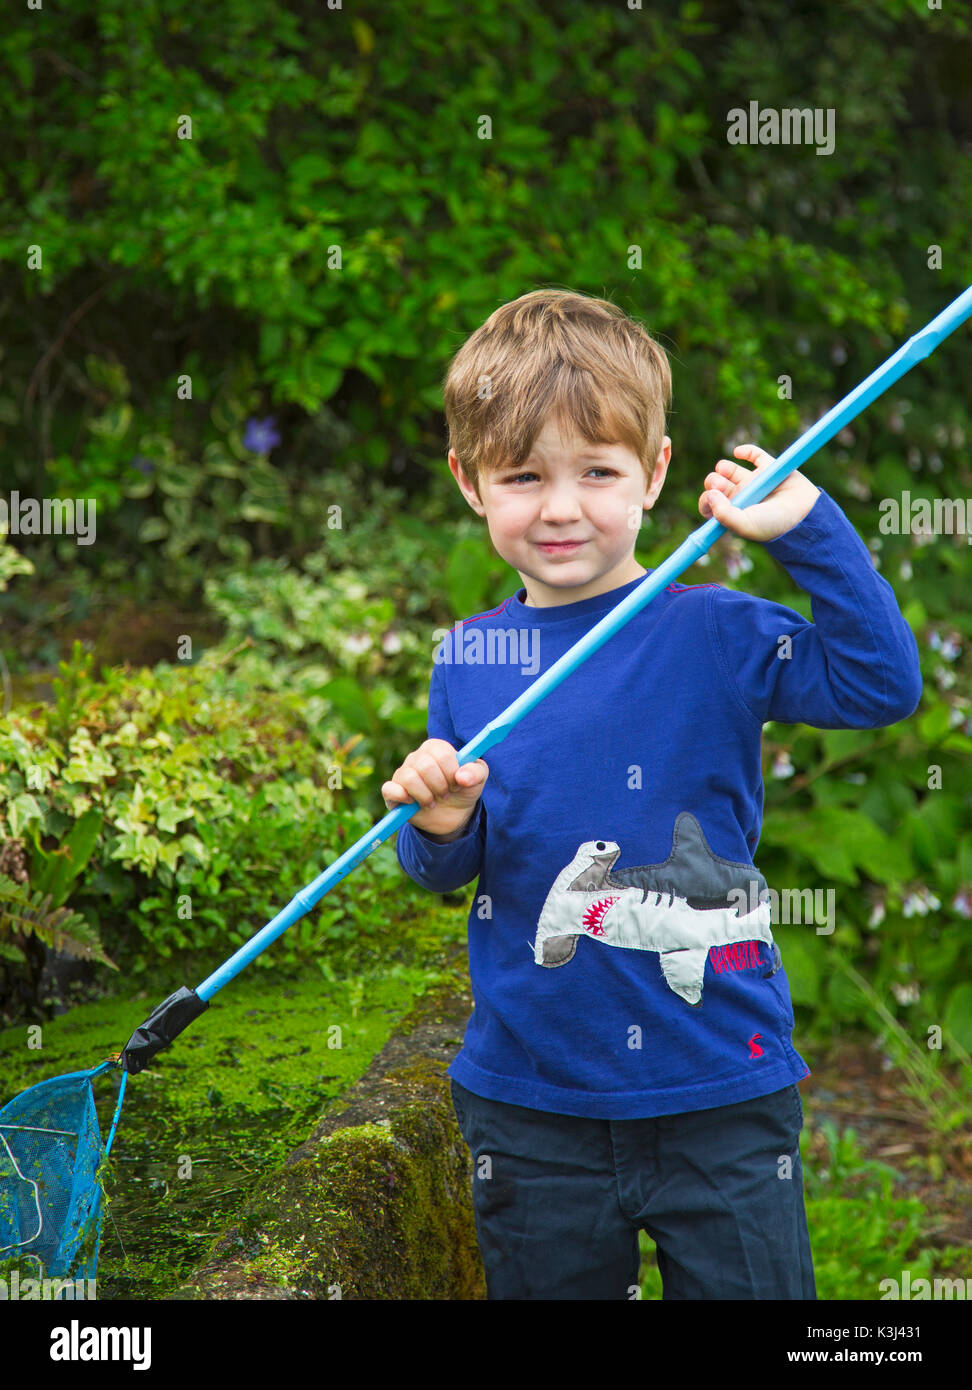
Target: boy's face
{"points": [[590, 495]]}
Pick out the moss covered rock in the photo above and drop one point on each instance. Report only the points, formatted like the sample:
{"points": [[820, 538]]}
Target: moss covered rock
{"points": [[376, 1203]]}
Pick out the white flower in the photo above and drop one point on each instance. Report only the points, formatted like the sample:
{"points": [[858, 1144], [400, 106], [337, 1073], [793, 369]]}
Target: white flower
{"points": [[920, 902], [391, 642], [905, 994], [357, 643], [782, 767], [962, 903], [738, 563], [858, 487]]}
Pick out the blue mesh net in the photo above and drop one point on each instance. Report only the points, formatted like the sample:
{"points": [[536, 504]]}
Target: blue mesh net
{"points": [[51, 1205]]}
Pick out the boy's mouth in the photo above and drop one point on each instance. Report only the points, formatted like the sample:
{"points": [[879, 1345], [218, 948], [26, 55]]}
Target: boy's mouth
{"points": [[559, 547]]}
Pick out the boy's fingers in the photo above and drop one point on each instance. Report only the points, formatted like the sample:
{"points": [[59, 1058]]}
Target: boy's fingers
{"points": [[432, 773], [471, 773], [730, 474], [717, 504], [717, 482], [758, 457], [394, 791], [415, 788]]}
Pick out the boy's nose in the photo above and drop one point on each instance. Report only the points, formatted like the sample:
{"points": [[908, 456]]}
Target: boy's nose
{"points": [[559, 504]]}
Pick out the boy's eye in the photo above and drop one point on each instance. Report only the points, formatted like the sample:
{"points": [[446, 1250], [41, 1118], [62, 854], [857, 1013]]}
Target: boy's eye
{"points": [[595, 468]]}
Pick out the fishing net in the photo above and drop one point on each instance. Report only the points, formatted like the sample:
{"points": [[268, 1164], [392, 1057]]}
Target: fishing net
{"points": [[51, 1200], [51, 1156]]}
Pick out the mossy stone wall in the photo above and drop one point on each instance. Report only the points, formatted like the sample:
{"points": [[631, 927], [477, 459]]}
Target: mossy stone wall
{"points": [[376, 1203]]}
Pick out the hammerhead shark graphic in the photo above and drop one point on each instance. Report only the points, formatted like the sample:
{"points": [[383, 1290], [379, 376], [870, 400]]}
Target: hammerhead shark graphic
{"points": [[691, 912]]}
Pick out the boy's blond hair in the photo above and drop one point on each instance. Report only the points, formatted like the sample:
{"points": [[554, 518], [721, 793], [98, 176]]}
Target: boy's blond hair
{"points": [[557, 354]]}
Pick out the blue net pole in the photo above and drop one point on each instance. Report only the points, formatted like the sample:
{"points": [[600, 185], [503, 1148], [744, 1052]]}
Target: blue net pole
{"points": [[117, 1114]]}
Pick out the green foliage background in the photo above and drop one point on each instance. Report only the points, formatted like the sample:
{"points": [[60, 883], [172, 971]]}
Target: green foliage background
{"points": [[215, 259]]}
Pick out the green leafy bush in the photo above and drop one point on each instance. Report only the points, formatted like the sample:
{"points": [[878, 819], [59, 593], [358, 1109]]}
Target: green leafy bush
{"points": [[313, 250], [180, 818]]}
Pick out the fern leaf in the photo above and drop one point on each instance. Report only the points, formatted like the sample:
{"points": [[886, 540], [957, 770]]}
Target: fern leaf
{"points": [[27, 913]]}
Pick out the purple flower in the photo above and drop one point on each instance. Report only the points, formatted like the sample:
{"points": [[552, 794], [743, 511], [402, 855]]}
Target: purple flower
{"points": [[260, 436]]}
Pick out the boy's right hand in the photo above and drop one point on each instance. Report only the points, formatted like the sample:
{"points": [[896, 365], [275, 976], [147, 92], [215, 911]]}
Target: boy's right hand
{"points": [[446, 791]]}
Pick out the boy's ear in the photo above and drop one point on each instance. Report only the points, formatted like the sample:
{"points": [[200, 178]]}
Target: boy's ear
{"points": [[465, 486], [659, 472]]}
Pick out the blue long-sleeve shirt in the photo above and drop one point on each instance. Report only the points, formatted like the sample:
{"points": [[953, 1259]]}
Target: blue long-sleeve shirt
{"points": [[621, 958]]}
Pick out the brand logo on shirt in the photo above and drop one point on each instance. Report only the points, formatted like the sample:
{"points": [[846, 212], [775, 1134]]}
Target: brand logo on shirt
{"points": [[737, 955], [754, 1048]]}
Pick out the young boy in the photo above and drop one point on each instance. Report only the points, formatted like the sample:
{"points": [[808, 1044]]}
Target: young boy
{"points": [[629, 1062]]}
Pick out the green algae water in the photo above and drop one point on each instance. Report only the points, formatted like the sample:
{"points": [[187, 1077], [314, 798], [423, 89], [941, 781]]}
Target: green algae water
{"points": [[234, 1094]]}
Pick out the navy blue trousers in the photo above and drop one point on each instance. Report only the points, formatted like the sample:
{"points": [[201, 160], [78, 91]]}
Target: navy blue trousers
{"points": [[559, 1200]]}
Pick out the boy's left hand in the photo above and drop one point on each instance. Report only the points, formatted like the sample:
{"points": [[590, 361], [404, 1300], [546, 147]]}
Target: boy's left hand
{"points": [[785, 507]]}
